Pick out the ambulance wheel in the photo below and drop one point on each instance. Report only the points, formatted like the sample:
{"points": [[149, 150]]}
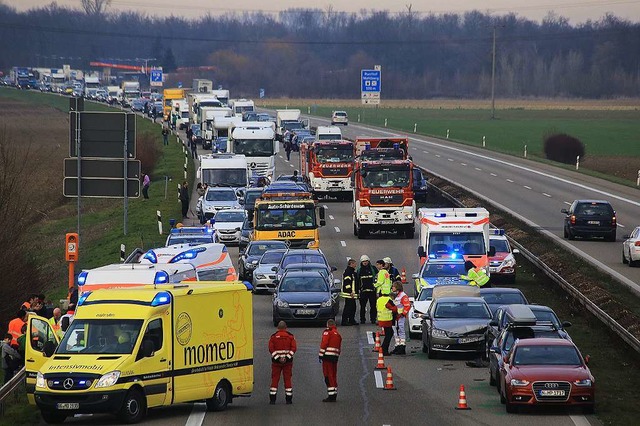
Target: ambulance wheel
{"points": [[220, 399], [355, 230], [53, 417], [134, 407], [409, 233]]}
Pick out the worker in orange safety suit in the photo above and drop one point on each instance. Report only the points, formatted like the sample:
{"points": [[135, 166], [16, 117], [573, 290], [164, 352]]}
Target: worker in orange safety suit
{"points": [[282, 346], [328, 356]]}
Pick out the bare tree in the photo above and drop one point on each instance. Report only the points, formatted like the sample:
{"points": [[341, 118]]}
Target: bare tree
{"points": [[95, 7]]}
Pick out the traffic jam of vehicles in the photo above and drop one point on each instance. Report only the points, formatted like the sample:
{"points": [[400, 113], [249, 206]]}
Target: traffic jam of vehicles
{"points": [[461, 301]]}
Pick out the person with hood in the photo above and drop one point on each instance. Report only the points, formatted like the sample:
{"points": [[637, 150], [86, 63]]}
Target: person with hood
{"points": [[365, 282], [475, 276], [10, 357], [349, 293]]}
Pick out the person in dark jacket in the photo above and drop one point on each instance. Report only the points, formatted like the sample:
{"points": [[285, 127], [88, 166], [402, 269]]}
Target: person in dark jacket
{"points": [[349, 293], [184, 198], [365, 278]]}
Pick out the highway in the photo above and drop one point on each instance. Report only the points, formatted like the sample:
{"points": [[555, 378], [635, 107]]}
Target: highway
{"points": [[427, 390]]}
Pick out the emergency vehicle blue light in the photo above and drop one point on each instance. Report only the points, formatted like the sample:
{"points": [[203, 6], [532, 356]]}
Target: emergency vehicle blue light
{"points": [[151, 256], [440, 215], [432, 256], [367, 147], [83, 297], [161, 278], [248, 285], [189, 254], [454, 255], [396, 146], [82, 278], [162, 298], [212, 221], [497, 231]]}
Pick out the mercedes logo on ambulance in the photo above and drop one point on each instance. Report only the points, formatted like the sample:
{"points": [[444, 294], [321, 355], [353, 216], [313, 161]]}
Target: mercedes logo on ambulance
{"points": [[68, 383]]}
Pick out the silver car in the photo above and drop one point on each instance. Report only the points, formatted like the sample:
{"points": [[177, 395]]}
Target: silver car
{"points": [[263, 275], [214, 200], [228, 224]]}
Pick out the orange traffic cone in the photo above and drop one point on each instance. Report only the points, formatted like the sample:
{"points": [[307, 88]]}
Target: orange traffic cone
{"points": [[389, 383], [380, 365], [377, 347], [403, 276], [462, 400]]}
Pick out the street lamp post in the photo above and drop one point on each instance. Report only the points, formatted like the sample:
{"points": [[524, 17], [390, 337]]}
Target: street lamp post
{"points": [[493, 76]]}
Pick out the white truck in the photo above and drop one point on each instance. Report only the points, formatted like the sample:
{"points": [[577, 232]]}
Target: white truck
{"points": [[207, 116], [201, 85], [180, 108], [455, 233], [222, 124], [227, 170], [130, 91], [57, 82], [222, 95], [328, 133], [91, 86], [114, 93], [239, 106], [287, 119], [256, 140], [197, 101]]}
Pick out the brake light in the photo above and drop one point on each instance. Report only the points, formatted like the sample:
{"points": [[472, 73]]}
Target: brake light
{"points": [[637, 244], [613, 221], [572, 219]]}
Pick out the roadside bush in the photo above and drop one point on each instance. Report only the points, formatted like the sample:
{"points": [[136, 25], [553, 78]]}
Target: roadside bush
{"points": [[563, 148], [148, 151]]}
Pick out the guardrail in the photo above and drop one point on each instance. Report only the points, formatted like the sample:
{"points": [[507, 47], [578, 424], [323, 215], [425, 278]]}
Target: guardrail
{"points": [[613, 325], [9, 387]]}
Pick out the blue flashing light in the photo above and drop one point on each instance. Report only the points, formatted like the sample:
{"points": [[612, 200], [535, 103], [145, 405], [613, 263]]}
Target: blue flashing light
{"points": [[210, 230], [497, 231], [82, 278], [162, 298], [440, 215], [396, 145], [83, 298], [432, 256], [212, 221], [151, 256], [367, 147], [189, 254], [454, 255], [248, 285], [161, 278]]}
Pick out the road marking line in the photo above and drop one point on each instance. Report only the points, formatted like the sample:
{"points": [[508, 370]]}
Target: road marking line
{"points": [[567, 203], [343, 243], [425, 152], [291, 165], [331, 217], [546, 195], [414, 148], [324, 206], [370, 338], [509, 180], [580, 420], [336, 228], [450, 159], [493, 174], [281, 157], [463, 164], [478, 169], [438, 155], [528, 187], [621, 225], [378, 375], [197, 414]]}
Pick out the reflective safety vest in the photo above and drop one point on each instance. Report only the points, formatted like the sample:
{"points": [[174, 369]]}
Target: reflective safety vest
{"points": [[330, 345], [383, 282], [56, 326], [420, 282], [476, 277], [384, 314]]}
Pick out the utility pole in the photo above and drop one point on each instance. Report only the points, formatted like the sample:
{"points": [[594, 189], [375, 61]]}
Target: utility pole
{"points": [[493, 76]]}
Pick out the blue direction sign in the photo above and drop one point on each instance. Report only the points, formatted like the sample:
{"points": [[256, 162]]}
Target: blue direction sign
{"points": [[370, 81], [155, 78]]}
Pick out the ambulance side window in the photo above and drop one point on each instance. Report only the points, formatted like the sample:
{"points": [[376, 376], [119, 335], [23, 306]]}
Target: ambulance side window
{"points": [[154, 334], [41, 332]]}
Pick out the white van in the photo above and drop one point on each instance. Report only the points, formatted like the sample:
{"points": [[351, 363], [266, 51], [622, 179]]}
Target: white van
{"points": [[211, 261]]}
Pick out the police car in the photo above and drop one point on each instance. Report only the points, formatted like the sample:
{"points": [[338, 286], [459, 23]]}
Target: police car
{"points": [[502, 265], [192, 235]]}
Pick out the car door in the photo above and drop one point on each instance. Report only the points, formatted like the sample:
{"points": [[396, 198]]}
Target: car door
{"points": [[155, 369], [39, 346]]}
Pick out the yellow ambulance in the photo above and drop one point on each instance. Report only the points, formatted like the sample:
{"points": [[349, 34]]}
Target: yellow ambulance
{"points": [[131, 349]]}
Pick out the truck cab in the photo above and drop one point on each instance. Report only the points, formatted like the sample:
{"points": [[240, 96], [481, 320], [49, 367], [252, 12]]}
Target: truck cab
{"points": [[229, 170], [256, 140], [329, 166]]}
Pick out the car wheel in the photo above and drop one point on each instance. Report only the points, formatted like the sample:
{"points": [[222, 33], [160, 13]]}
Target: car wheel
{"points": [[134, 407], [498, 387], [431, 354], [410, 233], [632, 262], [565, 233], [503, 400], [53, 417], [612, 237], [589, 409], [355, 230], [275, 321], [362, 232], [220, 399], [492, 379], [571, 235], [510, 408]]}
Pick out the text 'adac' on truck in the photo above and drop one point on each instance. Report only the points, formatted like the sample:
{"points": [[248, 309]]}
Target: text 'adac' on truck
{"points": [[455, 233], [383, 197], [329, 165], [396, 148], [294, 217], [132, 349]]}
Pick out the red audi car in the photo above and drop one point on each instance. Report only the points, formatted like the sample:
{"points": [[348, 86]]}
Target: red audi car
{"points": [[546, 371]]}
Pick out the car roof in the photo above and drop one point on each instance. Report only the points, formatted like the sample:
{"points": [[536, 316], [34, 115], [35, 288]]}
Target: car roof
{"points": [[306, 266], [461, 299], [592, 201], [220, 188], [544, 341], [540, 308], [500, 290], [305, 251], [257, 242], [302, 274]]}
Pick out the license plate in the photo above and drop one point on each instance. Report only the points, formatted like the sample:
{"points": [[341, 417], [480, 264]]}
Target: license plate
{"points": [[305, 312], [467, 339], [593, 222], [546, 392], [493, 269], [68, 405], [386, 222], [334, 188]]}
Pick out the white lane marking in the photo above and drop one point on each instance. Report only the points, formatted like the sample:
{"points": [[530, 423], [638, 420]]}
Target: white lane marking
{"points": [[370, 338], [450, 159], [343, 243], [546, 195], [281, 157], [438, 155], [478, 169], [197, 414], [463, 164], [621, 225], [567, 203], [324, 206], [331, 217], [509, 180], [414, 148], [425, 152], [336, 228], [580, 420], [291, 165], [378, 375], [493, 174], [528, 187]]}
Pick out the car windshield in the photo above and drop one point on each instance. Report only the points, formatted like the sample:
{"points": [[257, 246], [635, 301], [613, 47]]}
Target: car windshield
{"points": [[225, 177], [221, 196], [253, 147], [384, 154], [499, 298], [500, 245], [526, 333], [321, 271], [593, 209], [386, 177], [293, 218], [335, 154], [302, 258], [462, 310], [425, 294], [226, 216], [190, 239], [219, 274], [455, 244], [443, 270], [260, 249], [251, 197], [340, 114], [100, 337], [303, 284], [546, 355], [272, 258]]}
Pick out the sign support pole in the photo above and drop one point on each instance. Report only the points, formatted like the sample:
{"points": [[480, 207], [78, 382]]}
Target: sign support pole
{"points": [[126, 180], [78, 154]]}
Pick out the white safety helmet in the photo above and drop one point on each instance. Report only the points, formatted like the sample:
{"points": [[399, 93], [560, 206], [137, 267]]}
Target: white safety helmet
{"points": [[364, 257]]}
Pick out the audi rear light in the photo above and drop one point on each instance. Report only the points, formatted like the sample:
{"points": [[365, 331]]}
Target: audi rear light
{"points": [[637, 244], [613, 221], [572, 219]]}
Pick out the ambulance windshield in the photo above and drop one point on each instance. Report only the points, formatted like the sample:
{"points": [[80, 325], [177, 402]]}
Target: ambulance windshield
{"points": [[100, 337]]}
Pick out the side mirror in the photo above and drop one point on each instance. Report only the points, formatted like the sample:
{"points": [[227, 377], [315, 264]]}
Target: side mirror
{"points": [[276, 282], [494, 350], [421, 252], [515, 251], [565, 211], [49, 348], [335, 290], [626, 237], [146, 349], [333, 269], [323, 222], [493, 323], [64, 323], [274, 268], [415, 276], [566, 324], [492, 251]]}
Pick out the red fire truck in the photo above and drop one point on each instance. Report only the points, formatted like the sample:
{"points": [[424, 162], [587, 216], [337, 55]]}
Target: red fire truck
{"points": [[328, 165]]}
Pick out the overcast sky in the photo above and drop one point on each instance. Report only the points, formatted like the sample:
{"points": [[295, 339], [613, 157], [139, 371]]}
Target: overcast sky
{"points": [[576, 10]]}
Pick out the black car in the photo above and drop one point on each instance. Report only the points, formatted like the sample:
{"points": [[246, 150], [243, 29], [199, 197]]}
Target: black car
{"points": [[420, 187], [301, 181], [245, 233], [301, 256], [250, 256], [249, 200], [590, 218], [305, 296], [496, 297]]}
